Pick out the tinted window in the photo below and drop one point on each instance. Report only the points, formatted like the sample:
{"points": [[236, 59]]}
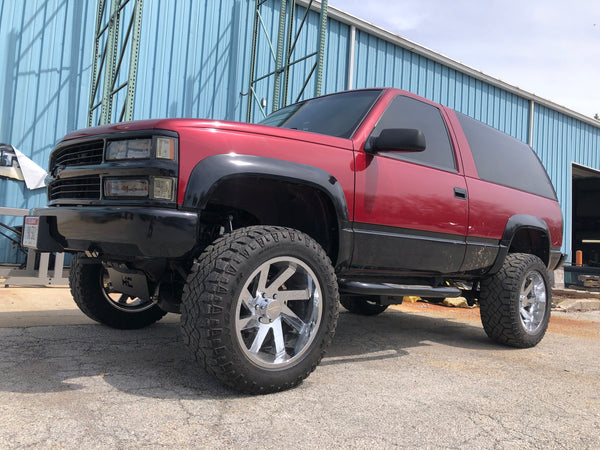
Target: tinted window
{"points": [[406, 112], [335, 115], [502, 159]]}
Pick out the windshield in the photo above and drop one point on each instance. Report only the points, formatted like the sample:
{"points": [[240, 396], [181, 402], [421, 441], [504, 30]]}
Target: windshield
{"points": [[334, 115]]}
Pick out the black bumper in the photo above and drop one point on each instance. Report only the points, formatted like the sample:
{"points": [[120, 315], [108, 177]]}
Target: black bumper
{"points": [[118, 232]]}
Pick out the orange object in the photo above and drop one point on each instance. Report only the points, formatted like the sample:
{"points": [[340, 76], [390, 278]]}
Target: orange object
{"points": [[579, 258]]}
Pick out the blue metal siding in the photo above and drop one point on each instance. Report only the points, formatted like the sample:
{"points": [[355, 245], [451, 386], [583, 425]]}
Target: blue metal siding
{"points": [[381, 63], [559, 141], [46, 50], [194, 62]]}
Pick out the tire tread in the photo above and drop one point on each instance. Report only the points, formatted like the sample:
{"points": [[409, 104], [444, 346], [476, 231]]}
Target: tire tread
{"points": [[205, 310], [499, 302]]}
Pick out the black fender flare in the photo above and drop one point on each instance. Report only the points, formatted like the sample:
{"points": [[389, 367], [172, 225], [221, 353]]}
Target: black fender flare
{"points": [[210, 172], [515, 224]]}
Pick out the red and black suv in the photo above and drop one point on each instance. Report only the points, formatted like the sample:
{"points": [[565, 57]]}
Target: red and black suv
{"points": [[255, 233]]}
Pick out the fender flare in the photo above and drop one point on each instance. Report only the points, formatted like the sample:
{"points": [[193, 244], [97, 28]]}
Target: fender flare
{"points": [[210, 172], [515, 224]]}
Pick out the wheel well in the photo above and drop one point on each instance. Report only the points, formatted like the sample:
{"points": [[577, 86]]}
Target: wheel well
{"points": [[532, 241], [262, 201]]}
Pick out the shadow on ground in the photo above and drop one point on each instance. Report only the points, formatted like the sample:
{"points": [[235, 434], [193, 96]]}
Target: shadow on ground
{"points": [[154, 363]]}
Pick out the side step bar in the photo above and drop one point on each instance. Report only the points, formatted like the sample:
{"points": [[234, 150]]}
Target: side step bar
{"points": [[397, 290]]}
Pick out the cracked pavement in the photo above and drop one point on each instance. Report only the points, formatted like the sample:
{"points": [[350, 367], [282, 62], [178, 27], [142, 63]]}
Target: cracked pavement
{"points": [[416, 376]]}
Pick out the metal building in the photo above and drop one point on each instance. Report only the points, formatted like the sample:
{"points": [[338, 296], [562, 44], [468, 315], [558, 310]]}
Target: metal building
{"points": [[196, 58]]}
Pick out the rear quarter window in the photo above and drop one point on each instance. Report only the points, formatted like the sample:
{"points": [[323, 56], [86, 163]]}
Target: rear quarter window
{"points": [[503, 159]]}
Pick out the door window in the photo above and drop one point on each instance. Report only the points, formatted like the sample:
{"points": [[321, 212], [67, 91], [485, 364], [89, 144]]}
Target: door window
{"points": [[406, 112]]}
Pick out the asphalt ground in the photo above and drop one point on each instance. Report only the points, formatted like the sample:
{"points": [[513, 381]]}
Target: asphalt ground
{"points": [[419, 375]]}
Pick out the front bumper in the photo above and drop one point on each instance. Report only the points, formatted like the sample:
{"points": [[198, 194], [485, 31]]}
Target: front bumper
{"points": [[117, 231]]}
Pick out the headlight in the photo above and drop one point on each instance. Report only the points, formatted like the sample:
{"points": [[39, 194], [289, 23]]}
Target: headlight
{"points": [[156, 188], [129, 149], [162, 188], [125, 187], [165, 148], [159, 147]]}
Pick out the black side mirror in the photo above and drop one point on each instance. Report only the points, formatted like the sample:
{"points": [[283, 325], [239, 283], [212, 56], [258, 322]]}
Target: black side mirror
{"points": [[397, 140]]}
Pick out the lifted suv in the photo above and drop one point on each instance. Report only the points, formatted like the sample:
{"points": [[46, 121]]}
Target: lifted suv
{"points": [[255, 232]]}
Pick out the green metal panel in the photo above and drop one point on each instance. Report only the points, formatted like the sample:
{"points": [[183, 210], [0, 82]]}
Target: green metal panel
{"points": [[111, 49], [283, 64]]}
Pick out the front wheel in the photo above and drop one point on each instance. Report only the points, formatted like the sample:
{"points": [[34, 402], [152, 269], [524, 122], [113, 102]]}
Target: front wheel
{"points": [[92, 294], [516, 301], [260, 308]]}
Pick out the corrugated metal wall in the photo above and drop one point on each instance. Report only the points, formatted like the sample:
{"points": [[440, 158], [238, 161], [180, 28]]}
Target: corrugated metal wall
{"points": [[194, 62], [45, 49]]}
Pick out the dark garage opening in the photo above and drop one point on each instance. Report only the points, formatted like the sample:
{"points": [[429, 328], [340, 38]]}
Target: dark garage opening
{"points": [[585, 222]]}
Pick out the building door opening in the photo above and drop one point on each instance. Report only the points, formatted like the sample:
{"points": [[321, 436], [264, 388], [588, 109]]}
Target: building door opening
{"points": [[585, 226]]}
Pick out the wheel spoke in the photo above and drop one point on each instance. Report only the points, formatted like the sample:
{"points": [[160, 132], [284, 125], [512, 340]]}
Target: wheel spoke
{"points": [[259, 339], [526, 315], [286, 296], [280, 280], [123, 299], [528, 289], [246, 297], [280, 354], [262, 279], [247, 323], [291, 318]]}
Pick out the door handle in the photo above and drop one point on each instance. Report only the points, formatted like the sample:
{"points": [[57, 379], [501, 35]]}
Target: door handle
{"points": [[460, 193]]}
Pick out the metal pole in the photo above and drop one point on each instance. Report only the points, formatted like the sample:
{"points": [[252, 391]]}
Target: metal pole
{"points": [[279, 58], [253, 62], [111, 59], [288, 53], [95, 68], [322, 38], [133, 59]]}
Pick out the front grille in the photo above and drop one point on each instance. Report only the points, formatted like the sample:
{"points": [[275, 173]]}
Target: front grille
{"points": [[84, 153], [80, 188]]}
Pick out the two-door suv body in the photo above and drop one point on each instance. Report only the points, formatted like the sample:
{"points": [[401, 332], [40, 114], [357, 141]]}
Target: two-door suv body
{"points": [[255, 232]]}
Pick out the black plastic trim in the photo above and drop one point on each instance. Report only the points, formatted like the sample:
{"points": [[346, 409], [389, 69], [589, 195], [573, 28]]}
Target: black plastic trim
{"points": [[480, 255], [120, 232], [214, 170], [557, 258], [515, 224], [385, 248]]}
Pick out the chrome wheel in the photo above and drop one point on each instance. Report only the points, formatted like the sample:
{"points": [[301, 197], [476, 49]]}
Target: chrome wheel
{"points": [[123, 302], [532, 301], [278, 312]]}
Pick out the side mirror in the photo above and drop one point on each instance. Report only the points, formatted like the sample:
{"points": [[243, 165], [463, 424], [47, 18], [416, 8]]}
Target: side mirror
{"points": [[397, 140]]}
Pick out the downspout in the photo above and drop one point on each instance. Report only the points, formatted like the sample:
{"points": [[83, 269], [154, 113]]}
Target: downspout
{"points": [[350, 78], [530, 131]]}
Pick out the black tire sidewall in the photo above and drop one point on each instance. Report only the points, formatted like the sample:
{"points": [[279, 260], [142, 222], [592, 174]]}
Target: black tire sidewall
{"points": [[209, 320], [500, 302], [360, 306], [85, 280]]}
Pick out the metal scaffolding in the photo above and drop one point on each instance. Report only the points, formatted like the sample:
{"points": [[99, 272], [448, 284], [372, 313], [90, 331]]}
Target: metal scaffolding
{"points": [[284, 62], [109, 54]]}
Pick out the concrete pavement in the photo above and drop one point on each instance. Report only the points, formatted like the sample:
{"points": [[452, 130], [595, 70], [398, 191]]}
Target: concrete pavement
{"points": [[416, 376]]}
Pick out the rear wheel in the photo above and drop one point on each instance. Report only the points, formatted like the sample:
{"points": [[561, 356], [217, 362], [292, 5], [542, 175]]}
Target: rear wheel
{"points": [[364, 305], [260, 308], [92, 294], [515, 302]]}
